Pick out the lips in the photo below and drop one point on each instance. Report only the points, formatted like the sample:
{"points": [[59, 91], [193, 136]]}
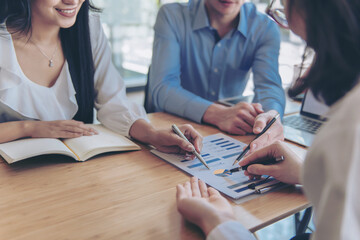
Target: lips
{"points": [[226, 1], [66, 12]]}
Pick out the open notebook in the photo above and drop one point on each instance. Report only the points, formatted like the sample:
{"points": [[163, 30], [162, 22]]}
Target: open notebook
{"points": [[81, 148]]}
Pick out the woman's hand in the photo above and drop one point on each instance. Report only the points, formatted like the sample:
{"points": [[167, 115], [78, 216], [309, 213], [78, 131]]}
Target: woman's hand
{"points": [[202, 206], [58, 129], [287, 171], [168, 141]]}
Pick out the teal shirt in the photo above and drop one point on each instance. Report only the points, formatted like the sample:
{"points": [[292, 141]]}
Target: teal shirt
{"points": [[192, 67]]}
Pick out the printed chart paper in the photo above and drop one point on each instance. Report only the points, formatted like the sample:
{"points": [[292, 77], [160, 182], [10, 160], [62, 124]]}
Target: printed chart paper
{"points": [[219, 151]]}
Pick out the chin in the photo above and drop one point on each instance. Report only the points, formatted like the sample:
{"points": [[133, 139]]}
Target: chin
{"points": [[67, 24]]}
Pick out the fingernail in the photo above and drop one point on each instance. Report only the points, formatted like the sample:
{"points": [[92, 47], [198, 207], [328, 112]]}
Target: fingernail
{"points": [[254, 146], [258, 129]]}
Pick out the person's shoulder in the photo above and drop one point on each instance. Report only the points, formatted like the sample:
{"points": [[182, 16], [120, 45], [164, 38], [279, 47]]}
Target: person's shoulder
{"points": [[94, 20], [95, 28], [257, 19], [173, 10]]}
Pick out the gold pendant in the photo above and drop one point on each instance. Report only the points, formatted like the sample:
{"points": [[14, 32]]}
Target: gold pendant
{"points": [[51, 64]]}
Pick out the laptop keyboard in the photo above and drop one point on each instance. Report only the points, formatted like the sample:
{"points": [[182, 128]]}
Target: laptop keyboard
{"points": [[301, 123]]}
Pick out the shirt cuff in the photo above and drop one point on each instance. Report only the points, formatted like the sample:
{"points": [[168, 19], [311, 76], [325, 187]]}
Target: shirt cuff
{"points": [[230, 230], [196, 109]]}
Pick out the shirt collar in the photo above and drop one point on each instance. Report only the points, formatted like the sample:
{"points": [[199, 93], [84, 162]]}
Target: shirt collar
{"points": [[198, 14], [243, 21]]}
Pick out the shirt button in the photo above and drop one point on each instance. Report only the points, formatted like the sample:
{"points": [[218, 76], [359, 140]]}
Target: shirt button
{"points": [[216, 70], [219, 44], [213, 93]]}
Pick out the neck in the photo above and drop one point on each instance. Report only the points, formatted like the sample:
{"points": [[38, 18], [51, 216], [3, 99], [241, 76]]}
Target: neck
{"points": [[222, 23], [43, 33]]}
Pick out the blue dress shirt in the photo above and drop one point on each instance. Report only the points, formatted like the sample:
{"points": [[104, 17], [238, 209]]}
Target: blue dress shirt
{"points": [[192, 67]]}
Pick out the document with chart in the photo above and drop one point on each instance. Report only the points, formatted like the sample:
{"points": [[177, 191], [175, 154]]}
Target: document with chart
{"points": [[219, 151]]}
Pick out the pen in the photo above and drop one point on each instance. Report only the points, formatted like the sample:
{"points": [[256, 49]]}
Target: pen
{"points": [[270, 161], [257, 136], [180, 134]]}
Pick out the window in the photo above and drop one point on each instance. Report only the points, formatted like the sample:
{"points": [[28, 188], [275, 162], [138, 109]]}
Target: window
{"points": [[129, 28]]}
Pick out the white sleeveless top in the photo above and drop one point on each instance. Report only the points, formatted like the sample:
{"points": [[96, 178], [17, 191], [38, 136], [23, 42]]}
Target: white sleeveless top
{"points": [[23, 99]]}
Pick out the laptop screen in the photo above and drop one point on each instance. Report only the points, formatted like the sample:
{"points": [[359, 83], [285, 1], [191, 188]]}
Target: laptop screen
{"points": [[311, 107]]}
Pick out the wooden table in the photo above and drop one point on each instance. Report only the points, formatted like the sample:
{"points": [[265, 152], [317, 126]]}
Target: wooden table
{"points": [[129, 195]]}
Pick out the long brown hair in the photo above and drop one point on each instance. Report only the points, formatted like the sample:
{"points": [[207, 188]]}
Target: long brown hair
{"points": [[333, 31]]}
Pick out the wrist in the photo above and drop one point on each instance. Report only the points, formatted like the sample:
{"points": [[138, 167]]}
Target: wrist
{"points": [[213, 114], [27, 128], [143, 131], [211, 222]]}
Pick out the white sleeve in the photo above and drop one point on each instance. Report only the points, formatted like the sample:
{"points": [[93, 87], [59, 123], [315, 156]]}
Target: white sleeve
{"points": [[230, 230], [114, 110]]}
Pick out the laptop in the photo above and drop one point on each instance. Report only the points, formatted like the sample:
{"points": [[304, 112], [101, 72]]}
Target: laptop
{"points": [[301, 128]]}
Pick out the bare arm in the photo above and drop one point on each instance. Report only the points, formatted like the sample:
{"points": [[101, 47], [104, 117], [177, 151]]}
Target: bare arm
{"points": [[43, 129]]}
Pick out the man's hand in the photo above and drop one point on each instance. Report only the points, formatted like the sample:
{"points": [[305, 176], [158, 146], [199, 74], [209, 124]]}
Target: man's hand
{"points": [[238, 119]]}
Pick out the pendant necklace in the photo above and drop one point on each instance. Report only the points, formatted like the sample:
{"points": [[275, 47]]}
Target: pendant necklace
{"points": [[51, 61]]}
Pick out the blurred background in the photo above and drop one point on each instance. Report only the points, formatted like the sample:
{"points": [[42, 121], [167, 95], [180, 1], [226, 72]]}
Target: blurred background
{"points": [[129, 28]]}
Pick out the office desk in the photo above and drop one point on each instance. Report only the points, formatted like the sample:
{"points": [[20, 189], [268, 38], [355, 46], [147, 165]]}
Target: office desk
{"points": [[130, 195]]}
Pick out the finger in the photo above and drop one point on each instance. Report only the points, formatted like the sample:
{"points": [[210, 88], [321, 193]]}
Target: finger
{"points": [[203, 189], [237, 131], [65, 134], [195, 187], [260, 122], [258, 107], [187, 187], [213, 192], [243, 125], [174, 139], [261, 142], [169, 149], [248, 107], [265, 152], [180, 192], [193, 136], [247, 115], [259, 169]]}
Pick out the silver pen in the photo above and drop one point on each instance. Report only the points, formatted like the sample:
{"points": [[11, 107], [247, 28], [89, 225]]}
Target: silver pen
{"points": [[180, 134]]}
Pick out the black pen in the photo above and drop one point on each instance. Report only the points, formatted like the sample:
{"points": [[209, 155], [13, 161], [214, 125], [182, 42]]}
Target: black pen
{"points": [[180, 134], [257, 136], [270, 161]]}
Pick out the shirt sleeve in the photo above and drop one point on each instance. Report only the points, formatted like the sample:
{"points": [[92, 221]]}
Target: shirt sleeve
{"points": [[165, 84], [267, 81], [230, 230], [114, 110]]}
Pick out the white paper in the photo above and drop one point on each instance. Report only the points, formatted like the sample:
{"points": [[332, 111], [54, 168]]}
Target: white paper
{"points": [[219, 151]]}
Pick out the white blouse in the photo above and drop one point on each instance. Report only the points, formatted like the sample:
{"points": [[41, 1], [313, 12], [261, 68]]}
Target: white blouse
{"points": [[330, 176], [22, 99]]}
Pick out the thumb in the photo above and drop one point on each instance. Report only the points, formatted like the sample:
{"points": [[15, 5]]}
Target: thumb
{"points": [[260, 123]]}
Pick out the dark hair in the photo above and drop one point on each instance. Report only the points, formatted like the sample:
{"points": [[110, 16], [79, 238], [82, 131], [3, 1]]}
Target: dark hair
{"points": [[333, 31], [76, 45]]}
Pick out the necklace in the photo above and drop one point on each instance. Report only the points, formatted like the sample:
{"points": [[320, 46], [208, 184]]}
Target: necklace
{"points": [[51, 61]]}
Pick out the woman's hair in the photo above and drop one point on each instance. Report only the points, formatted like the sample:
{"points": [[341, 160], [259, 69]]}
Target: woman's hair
{"points": [[76, 45], [333, 31]]}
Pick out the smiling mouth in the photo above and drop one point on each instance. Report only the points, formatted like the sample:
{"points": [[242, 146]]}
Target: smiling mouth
{"points": [[66, 11], [225, 1]]}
